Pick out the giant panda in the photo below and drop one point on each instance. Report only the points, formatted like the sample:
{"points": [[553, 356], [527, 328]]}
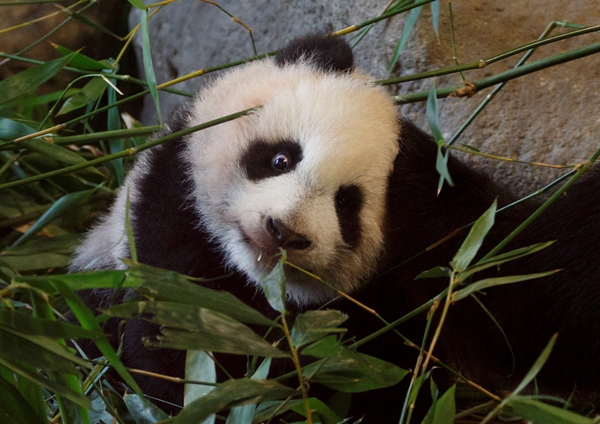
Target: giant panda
{"points": [[326, 169]]}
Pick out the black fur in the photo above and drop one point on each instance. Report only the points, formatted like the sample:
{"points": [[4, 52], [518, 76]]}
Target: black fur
{"points": [[331, 54], [257, 161], [348, 204]]}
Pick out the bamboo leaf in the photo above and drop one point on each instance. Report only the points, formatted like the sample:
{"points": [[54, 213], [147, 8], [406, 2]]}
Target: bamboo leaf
{"points": [[230, 394], [267, 410], [31, 325], [31, 78], [81, 61], [502, 258], [409, 25], [147, 60], [14, 409], [244, 414], [537, 366], [35, 262], [139, 4], [79, 281], [315, 325], [435, 16], [60, 207], [189, 327], [88, 94], [199, 366], [320, 412], [472, 243], [9, 129], [442, 411], [143, 412], [274, 285], [498, 281], [53, 151], [437, 272], [170, 286], [116, 145], [54, 387], [441, 164], [87, 320], [538, 412], [349, 371]]}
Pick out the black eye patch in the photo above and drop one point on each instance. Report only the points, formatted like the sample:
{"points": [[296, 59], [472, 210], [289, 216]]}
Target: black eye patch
{"points": [[264, 160], [348, 204]]}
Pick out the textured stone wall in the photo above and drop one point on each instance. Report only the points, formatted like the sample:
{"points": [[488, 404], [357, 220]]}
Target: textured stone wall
{"points": [[549, 116]]}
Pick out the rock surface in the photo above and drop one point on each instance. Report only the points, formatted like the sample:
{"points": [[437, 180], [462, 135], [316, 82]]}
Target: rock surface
{"points": [[64, 30], [549, 116]]}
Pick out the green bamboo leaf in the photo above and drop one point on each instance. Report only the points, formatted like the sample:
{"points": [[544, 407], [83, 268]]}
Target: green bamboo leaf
{"points": [[31, 78], [143, 412], [472, 243], [79, 281], [54, 387], [31, 325], [35, 262], [81, 18], [245, 414], [189, 327], [9, 129], [437, 272], [442, 411], [81, 61], [129, 229], [498, 281], [230, 394], [199, 366], [267, 410], [472, 148], [537, 366], [441, 164], [321, 413], [35, 396], [274, 285], [53, 151], [63, 244], [90, 92], [147, 61], [38, 351], [534, 411], [160, 284], [502, 258], [409, 25], [349, 371], [315, 325], [14, 409], [114, 124], [435, 16], [86, 318], [60, 207], [139, 4]]}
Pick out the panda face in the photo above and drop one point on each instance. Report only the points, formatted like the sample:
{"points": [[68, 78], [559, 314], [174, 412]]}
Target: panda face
{"points": [[306, 172]]}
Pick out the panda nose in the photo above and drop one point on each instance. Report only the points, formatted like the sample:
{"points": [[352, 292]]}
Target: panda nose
{"points": [[284, 237]]}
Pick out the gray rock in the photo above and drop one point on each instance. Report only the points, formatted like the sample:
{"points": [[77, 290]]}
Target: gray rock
{"points": [[549, 116]]}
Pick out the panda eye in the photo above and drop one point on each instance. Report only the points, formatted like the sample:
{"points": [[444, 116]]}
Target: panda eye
{"points": [[281, 162], [342, 203]]}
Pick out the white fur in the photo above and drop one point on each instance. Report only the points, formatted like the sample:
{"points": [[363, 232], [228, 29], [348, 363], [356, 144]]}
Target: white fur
{"points": [[106, 244], [348, 132]]}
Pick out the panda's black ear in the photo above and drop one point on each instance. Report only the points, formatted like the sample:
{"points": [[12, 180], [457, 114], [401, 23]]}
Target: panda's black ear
{"points": [[332, 54]]}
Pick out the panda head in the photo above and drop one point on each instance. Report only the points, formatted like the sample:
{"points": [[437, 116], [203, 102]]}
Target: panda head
{"points": [[306, 172]]}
